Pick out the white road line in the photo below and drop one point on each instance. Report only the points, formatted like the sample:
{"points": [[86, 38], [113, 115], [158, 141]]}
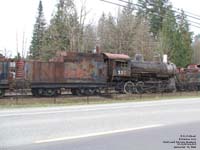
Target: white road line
{"points": [[112, 107], [95, 134]]}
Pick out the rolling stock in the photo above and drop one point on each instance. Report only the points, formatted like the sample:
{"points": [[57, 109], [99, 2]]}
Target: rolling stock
{"points": [[90, 73]]}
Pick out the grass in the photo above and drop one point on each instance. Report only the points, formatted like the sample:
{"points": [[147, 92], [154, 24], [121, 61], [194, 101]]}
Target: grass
{"points": [[20, 102]]}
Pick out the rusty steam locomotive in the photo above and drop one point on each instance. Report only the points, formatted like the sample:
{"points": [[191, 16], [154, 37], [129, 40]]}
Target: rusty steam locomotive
{"points": [[87, 74]]}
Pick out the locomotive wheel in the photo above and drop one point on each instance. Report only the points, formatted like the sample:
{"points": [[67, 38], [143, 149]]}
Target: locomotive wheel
{"points": [[78, 92], [140, 87], [89, 92], [97, 92], [2, 92], [130, 88], [50, 92], [58, 92], [34, 92], [73, 91], [40, 92]]}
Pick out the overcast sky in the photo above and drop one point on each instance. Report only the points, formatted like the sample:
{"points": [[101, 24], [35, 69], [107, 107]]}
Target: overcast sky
{"points": [[18, 17]]}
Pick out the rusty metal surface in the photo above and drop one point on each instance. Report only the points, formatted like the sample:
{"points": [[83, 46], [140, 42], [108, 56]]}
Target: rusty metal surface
{"points": [[20, 69], [191, 75], [4, 70], [36, 71], [85, 68], [158, 68], [194, 66], [74, 67], [116, 56]]}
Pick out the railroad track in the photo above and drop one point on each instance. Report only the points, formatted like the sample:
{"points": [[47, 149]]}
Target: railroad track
{"points": [[68, 95]]}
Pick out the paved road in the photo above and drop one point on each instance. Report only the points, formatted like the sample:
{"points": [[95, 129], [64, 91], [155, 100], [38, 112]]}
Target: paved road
{"points": [[180, 136], [39, 126]]}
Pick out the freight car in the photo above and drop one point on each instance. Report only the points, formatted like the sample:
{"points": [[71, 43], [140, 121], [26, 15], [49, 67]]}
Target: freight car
{"points": [[188, 79]]}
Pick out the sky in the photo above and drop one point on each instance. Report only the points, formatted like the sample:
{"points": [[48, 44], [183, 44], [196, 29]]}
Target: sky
{"points": [[18, 17]]}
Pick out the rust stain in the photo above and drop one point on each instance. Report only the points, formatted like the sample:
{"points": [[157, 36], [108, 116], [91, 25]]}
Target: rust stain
{"points": [[116, 56]]}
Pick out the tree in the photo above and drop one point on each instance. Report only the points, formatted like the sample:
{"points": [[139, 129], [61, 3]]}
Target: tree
{"points": [[38, 34], [126, 24], [133, 33], [62, 33], [196, 49], [143, 42], [184, 54], [84, 29], [155, 11], [167, 35], [107, 33], [101, 31], [89, 38], [126, 34]]}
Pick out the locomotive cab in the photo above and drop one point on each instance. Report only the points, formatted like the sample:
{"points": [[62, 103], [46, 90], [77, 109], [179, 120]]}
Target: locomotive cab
{"points": [[118, 65]]}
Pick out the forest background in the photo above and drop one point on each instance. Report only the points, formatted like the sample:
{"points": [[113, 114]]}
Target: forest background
{"points": [[148, 27]]}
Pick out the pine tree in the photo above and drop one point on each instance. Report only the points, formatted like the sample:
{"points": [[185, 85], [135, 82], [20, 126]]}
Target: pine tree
{"points": [[62, 33], [167, 39], [196, 49], [155, 11], [184, 54], [38, 34]]}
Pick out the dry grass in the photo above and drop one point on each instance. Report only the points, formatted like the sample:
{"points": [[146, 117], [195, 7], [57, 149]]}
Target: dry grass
{"points": [[13, 102]]}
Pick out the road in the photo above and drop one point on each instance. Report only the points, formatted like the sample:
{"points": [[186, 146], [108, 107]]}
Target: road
{"points": [[159, 138], [77, 126]]}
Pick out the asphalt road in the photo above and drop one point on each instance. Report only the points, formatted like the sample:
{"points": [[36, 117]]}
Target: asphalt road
{"points": [[180, 136], [136, 124]]}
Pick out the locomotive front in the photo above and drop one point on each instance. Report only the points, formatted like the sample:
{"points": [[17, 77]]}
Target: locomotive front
{"points": [[153, 76]]}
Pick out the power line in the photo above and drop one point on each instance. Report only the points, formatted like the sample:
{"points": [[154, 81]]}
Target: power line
{"points": [[143, 7], [187, 12], [113, 3], [176, 11], [191, 16]]}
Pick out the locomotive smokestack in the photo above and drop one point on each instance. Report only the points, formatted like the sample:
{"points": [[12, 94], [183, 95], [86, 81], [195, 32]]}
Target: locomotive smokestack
{"points": [[165, 58]]}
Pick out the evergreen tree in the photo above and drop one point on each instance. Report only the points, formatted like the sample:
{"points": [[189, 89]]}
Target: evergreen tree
{"points": [[62, 33], [167, 39], [155, 11], [196, 49], [175, 38], [184, 54], [133, 33], [38, 34], [144, 43]]}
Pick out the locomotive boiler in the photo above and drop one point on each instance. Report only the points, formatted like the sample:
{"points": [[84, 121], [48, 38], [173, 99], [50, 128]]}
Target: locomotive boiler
{"points": [[150, 76], [153, 69]]}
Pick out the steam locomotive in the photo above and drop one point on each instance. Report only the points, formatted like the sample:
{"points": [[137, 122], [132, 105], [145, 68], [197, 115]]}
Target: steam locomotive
{"points": [[149, 76], [87, 74]]}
